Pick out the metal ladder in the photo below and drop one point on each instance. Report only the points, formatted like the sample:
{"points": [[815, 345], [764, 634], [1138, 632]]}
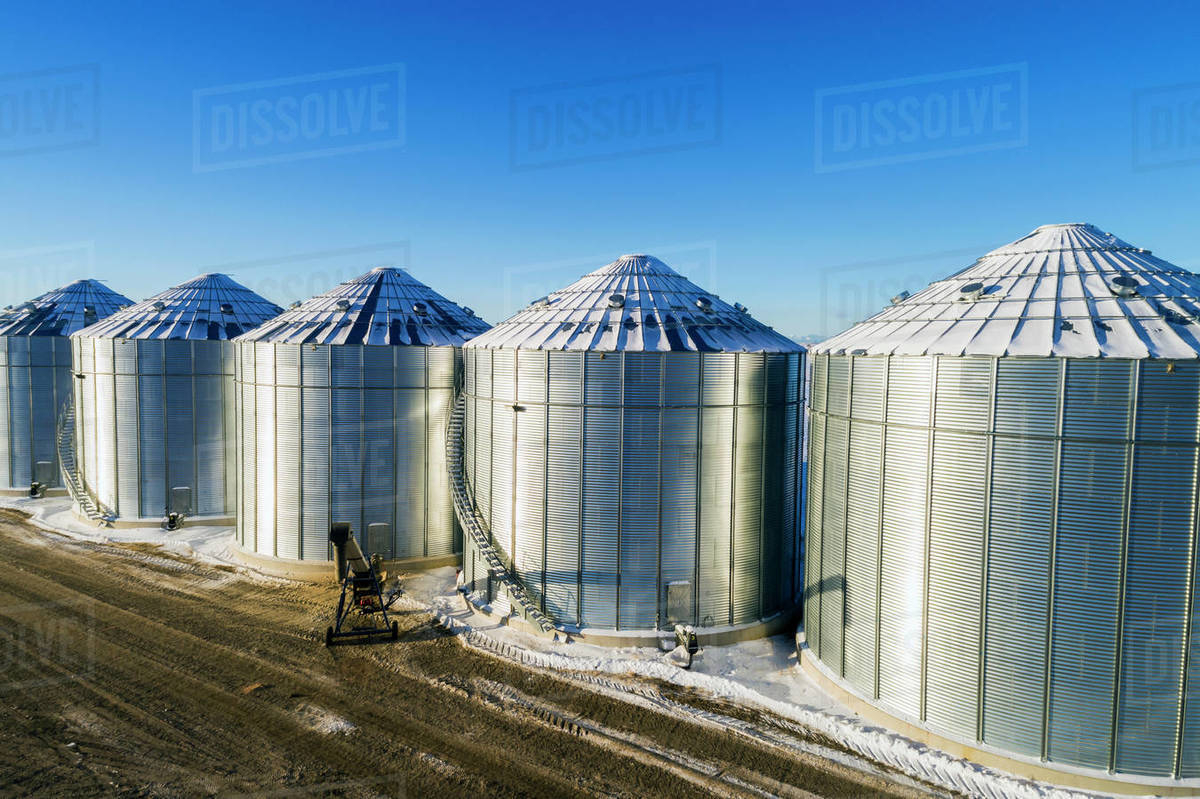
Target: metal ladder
{"points": [[65, 440], [476, 527]]}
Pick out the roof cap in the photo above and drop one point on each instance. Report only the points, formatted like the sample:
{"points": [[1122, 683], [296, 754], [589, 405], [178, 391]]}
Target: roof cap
{"points": [[62, 311], [636, 303], [385, 306], [210, 307], [1065, 290]]}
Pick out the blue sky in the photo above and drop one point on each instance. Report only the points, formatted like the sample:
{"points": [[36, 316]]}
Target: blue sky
{"points": [[729, 186]]}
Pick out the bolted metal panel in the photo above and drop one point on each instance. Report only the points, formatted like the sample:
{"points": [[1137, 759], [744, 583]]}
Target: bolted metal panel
{"points": [[379, 490], [833, 531], [180, 411], [964, 393], [1018, 581], [346, 450], [681, 379], [346, 368], [773, 547], [639, 493], [1027, 395], [248, 474], [566, 377], [503, 375], [901, 600], [1189, 746], [288, 452], [20, 414], [680, 482], [862, 547], [128, 457], [267, 459], [531, 377], [1097, 399], [503, 461], [602, 378], [210, 496], [106, 444], [748, 522], [529, 512], [601, 513], [820, 370], [411, 444], [1086, 608], [720, 378], [564, 431], [317, 433], [1157, 584], [152, 444], [955, 579], [643, 379], [716, 507], [813, 532], [1167, 398], [441, 536], [866, 392], [909, 391]]}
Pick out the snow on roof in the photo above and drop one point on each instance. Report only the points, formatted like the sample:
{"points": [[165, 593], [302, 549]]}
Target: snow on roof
{"points": [[384, 306], [62, 311], [636, 303], [1063, 290], [208, 307]]}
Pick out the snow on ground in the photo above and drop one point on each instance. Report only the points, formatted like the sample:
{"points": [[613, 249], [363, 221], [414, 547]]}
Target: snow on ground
{"points": [[207, 544], [761, 673]]}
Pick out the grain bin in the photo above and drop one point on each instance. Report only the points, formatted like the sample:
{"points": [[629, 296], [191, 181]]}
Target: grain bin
{"points": [[154, 400], [35, 376], [631, 441], [342, 405], [1001, 539]]}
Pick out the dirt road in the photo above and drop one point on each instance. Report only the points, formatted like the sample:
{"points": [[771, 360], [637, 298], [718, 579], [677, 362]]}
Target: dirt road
{"points": [[131, 672]]}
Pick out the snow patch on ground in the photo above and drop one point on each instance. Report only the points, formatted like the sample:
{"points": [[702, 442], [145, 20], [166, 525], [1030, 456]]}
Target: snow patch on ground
{"points": [[323, 721], [215, 545]]}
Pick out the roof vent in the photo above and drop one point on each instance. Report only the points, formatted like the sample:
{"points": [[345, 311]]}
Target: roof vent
{"points": [[226, 309], [704, 303], [295, 304], [468, 311], [1124, 286], [651, 321], [737, 306], [158, 306], [343, 305], [901, 297], [970, 292], [419, 308], [616, 300]]}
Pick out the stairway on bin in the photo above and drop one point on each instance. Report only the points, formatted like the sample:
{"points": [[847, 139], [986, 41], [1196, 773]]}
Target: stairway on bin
{"points": [[89, 505], [476, 527]]}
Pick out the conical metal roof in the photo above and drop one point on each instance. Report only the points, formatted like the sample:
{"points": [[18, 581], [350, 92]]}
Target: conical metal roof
{"points": [[384, 306], [636, 303], [1063, 290], [62, 311], [209, 307]]}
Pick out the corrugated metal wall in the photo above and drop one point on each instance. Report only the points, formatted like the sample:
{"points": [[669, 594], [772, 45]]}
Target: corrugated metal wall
{"points": [[344, 434], [1004, 550], [152, 415], [610, 479], [35, 383]]}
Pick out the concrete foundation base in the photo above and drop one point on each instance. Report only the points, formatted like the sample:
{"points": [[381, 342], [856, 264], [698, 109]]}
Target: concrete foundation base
{"points": [[1066, 776], [24, 492], [707, 636], [314, 571], [125, 523]]}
